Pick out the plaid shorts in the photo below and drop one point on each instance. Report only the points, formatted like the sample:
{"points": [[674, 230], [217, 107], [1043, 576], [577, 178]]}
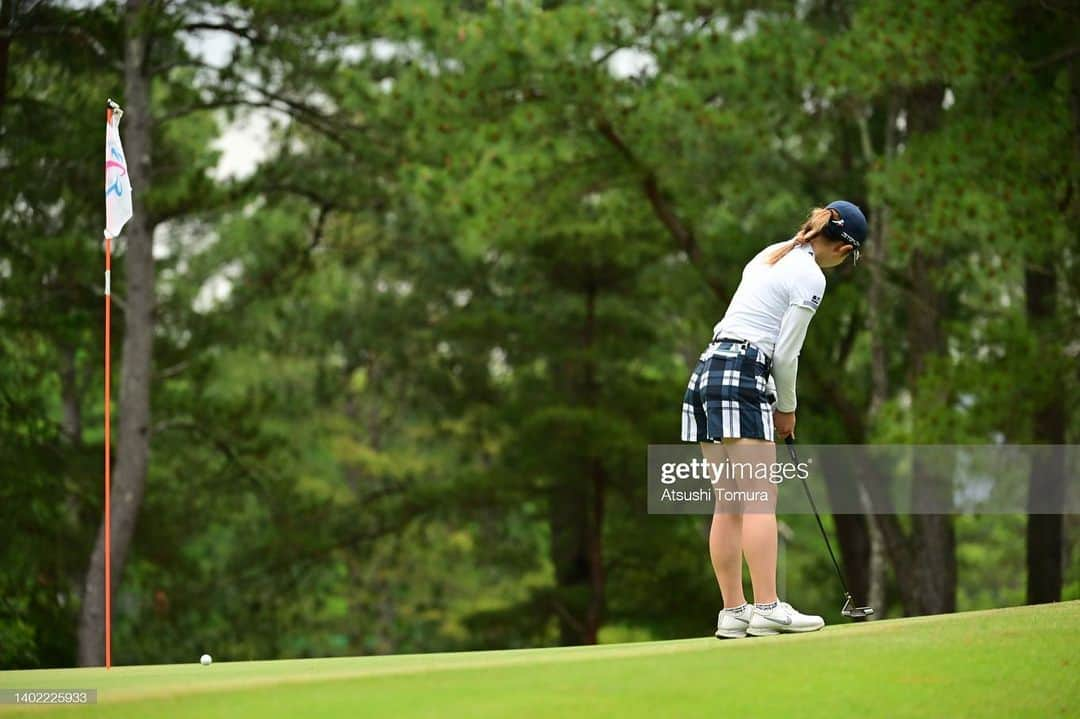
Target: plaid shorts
{"points": [[729, 395]]}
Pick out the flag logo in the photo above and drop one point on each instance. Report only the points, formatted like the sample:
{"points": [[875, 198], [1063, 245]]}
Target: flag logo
{"points": [[118, 209]]}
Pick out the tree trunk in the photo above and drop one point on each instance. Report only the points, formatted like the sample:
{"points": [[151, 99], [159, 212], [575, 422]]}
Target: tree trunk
{"points": [[569, 555], [863, 542], [133, 437], [598, 481], [933, 540], [7, 13], [879, 375], [925, 561], [852, 530], [1045, 532], [1046, 482], [875, 591], [577, 521], [595, 615], [853, 536]]}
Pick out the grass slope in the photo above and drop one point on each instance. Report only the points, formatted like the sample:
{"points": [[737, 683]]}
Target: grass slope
{"points": [[1020, 662]]}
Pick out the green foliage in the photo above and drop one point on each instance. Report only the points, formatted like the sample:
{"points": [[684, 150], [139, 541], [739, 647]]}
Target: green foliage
{"points": [[466, 283]]}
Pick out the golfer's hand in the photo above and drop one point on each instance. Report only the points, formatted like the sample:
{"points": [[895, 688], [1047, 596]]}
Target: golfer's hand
{"points": [[784, 423]]}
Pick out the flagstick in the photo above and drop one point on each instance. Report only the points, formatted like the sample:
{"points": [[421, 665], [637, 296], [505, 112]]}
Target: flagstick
{"points": [[108, 392], [118, 210], [108, 502]]}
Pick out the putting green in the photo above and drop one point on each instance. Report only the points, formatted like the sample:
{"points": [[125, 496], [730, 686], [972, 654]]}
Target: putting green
{"points": [[1020, 662]]}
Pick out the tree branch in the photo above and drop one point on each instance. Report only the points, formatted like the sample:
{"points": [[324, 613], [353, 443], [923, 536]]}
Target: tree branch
{"points": [[681, 232], [247, 33], [304, 114], [73, 31]]}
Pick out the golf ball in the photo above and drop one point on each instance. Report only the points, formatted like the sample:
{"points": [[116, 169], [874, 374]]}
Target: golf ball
{"points": [[205, 660]]}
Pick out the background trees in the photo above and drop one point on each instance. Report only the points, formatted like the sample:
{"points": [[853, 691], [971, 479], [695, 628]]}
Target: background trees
{"points": [[398, 380]]}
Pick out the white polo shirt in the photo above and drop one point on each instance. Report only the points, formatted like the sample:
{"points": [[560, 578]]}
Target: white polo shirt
{"points": [[772, 308]]}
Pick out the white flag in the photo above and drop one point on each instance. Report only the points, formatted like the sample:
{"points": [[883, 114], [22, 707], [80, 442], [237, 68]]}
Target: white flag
{"points": [[117, 185]]}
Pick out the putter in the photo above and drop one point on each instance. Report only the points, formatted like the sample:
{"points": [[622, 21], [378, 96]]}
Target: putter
{"points": [[851, 609]]}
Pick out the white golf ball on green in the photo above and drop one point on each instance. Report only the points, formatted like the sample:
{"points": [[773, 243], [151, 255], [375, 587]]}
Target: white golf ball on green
{"points": [[205, 660]]}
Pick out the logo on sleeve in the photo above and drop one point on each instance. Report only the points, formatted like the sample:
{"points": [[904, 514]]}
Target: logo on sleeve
{"points": [[815, 300]]}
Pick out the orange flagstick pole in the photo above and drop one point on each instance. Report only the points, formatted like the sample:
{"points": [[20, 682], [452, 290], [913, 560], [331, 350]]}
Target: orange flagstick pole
{"points": [[108, 502], [108, 417]]}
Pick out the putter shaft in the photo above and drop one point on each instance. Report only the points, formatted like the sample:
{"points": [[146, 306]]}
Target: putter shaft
{"points": [[850, 609]]}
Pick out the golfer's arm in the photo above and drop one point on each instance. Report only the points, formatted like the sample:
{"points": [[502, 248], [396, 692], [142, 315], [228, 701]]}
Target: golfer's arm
{"points": [[785, 360]]}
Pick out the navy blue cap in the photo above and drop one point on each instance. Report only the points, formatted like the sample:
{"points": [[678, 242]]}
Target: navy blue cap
{"points": [[851, 227]]}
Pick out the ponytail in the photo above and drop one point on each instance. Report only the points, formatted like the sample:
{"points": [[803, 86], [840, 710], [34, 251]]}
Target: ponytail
{"points": [[814, 225]]}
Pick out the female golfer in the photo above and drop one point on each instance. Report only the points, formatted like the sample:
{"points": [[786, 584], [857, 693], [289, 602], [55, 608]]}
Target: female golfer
{"points": [[741, 397]]}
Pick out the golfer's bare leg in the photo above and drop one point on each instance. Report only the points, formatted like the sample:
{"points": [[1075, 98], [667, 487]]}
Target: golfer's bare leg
{"points": [[759, 541], [725, 540]]}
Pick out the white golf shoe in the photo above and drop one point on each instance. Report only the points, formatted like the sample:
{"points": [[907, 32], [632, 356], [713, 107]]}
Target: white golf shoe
{"points": [[732, 624], [780, 619]]}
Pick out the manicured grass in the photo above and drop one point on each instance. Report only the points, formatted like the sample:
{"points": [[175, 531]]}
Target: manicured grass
{"points": [[1022, 662]]}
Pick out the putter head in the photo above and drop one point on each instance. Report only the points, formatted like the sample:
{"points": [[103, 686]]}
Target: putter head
{"points": [[850, 610]]}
